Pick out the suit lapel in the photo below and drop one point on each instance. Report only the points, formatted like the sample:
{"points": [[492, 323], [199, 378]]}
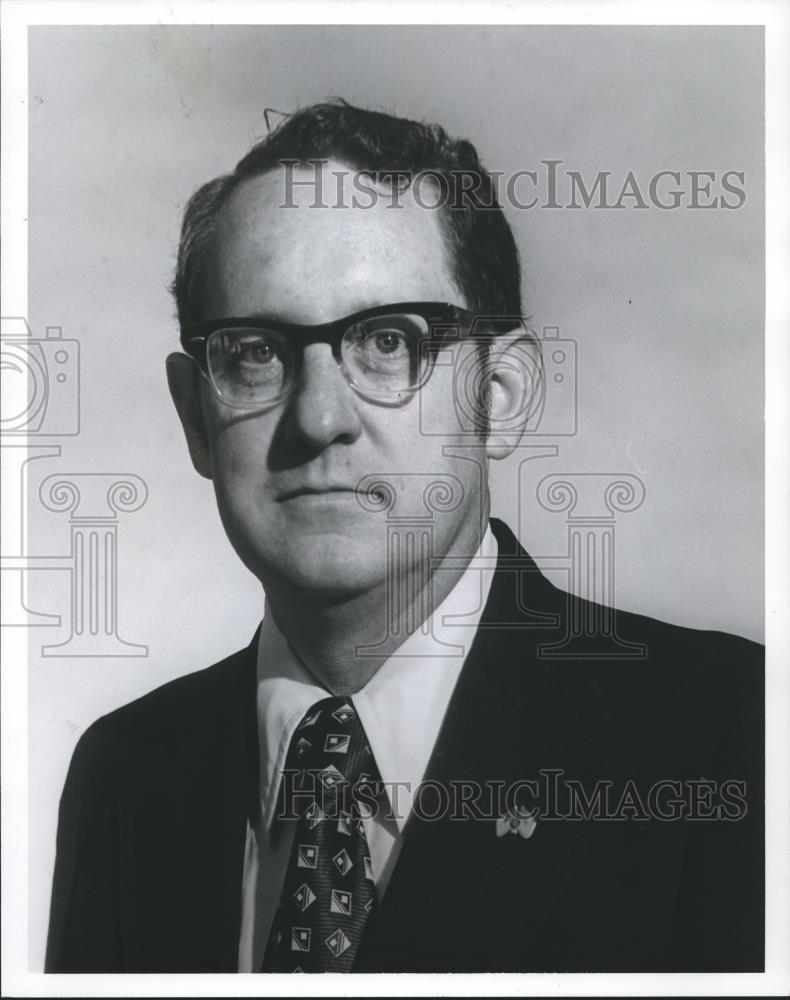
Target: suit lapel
{"points": [[512, 715]]}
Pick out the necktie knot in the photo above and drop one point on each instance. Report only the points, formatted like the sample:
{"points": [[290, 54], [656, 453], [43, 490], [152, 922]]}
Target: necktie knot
{"points": [[330, 765]]}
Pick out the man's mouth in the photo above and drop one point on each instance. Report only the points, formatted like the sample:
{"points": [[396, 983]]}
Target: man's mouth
{"points": [[317, 491]]}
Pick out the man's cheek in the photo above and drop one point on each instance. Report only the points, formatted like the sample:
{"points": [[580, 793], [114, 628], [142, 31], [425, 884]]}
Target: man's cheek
{"points": [[238, 451]]}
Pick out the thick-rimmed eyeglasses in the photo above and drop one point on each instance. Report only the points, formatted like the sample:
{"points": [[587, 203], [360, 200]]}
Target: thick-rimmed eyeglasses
{"points": [[386, 353]]}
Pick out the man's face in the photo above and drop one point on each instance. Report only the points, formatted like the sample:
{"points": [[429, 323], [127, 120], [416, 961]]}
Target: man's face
{"points": [[285, 478]]}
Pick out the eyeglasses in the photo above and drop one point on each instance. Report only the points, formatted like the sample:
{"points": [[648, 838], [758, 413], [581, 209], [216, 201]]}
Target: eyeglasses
{"points": [[386, 354]]}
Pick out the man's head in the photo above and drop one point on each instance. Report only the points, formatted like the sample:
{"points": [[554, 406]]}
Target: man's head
{"points": [[259, 244], [479, 245]]}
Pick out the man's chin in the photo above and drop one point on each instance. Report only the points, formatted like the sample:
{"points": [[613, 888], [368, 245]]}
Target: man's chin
{"points": [[325, 565]]}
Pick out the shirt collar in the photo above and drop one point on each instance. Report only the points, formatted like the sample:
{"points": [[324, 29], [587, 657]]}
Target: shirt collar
{"points": [[409, 693]]}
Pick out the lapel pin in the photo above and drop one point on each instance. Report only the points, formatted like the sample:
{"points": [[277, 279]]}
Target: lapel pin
{"points": [[521, 821]]}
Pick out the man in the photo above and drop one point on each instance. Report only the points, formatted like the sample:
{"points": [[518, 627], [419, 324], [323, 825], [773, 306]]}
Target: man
{"points": [[411, 767]]}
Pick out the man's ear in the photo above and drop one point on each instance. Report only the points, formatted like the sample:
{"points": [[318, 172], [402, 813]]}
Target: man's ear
{"points": [[514, 370], [184, 382]]}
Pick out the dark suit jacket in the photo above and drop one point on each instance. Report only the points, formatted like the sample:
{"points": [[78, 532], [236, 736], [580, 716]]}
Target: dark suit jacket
{"points": [[153, 815]]}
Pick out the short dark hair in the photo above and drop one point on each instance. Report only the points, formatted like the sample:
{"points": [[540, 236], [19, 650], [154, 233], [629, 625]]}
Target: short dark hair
{"points": [[481, 249]]}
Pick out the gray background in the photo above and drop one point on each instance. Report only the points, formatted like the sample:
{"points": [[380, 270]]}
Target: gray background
{"points": [[666, 308]]}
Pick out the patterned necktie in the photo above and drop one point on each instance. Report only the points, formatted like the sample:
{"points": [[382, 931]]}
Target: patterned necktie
{"points": [[328, 893]]}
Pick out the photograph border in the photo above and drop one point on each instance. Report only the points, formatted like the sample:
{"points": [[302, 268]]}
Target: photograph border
{"points": [[17, 16]]}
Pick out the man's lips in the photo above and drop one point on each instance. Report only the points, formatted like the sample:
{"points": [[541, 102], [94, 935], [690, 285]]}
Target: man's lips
{"points": [[318, 491]]}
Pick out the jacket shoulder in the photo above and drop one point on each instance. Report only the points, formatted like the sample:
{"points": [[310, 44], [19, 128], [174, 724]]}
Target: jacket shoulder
{"points": [[694, 656], [670, 680], [172, 716], [609, 636]]}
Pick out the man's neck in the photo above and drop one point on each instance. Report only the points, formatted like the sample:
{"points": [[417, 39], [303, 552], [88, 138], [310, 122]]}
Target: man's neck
{"points": [[329, 636]]}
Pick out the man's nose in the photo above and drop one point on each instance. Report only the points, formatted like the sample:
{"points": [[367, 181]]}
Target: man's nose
{"points": [[322, 408]]}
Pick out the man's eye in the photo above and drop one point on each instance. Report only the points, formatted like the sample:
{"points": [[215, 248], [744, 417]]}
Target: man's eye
{"points": [[257, 352], [390, 342], [385, 351]]}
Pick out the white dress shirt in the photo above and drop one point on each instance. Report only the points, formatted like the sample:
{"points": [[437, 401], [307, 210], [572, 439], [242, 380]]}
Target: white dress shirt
{"points": [[401, 708]]}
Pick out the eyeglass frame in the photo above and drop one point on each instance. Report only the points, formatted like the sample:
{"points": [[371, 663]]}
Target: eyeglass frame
{"points": [[457, 322]]}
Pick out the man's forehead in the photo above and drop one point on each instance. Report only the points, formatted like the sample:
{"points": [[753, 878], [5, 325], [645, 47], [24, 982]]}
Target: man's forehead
{"points": [[329, 200], [270, 236]]}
